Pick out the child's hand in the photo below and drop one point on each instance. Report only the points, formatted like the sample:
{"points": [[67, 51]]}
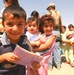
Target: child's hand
{"points": [[37, 43], [69, 42], [10, 57], [35, 65]]}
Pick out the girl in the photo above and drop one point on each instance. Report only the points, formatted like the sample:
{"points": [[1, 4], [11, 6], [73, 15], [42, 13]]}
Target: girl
{"points": [[47, 39]]}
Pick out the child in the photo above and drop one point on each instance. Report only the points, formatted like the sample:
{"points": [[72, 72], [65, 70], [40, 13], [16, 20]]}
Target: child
{"points": [[46, 28], [32, 31], [6, 4], [65, 43], [47, 39], [35, 14], [70, 33], [13, 21], [10, 2], [70, 37], [63, 39]]}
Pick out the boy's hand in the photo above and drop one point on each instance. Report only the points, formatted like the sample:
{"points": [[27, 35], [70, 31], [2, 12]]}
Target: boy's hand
{"points": [[10, 57], [35, 65]]}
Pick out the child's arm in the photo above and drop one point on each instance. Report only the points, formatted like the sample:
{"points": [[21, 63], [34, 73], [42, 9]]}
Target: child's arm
{"points": [[45, 45], [70, 36], [10, 57], [35, 43]]}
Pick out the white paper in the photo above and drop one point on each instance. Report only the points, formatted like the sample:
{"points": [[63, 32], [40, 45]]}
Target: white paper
{"points": [[26, 57]]}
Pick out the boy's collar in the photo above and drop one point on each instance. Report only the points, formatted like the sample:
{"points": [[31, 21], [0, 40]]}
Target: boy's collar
{"points": [[5, 40]]}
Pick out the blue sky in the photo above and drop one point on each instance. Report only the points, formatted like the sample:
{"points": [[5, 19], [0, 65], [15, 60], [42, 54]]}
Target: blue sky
{"points": [[65, 7]]}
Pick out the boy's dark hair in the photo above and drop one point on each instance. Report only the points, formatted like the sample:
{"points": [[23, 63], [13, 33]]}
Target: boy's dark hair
{"points": [[12, 2], [17, 11], [43, 19], [31, 19], [35, 14]]}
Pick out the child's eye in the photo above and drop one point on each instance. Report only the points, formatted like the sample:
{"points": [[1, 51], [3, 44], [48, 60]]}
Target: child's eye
{"points": [[20, 24], [34, 25], [10, 24], [51, 25], [29, 25]]}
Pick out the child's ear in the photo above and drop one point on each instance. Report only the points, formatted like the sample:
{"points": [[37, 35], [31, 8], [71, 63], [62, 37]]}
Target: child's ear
{"points": [[2, 22], [1, 26]]}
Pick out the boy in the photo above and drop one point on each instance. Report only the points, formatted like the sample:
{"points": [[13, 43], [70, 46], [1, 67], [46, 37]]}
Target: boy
{"points": [[14, 21], [6, 4]]}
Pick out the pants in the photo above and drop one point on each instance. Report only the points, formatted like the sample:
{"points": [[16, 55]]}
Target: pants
{"points": [[69, 54], [56, 55]]}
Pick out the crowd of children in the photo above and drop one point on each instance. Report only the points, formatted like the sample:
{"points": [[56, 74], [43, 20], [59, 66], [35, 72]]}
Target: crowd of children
{"points": [[40, 35], [67, 43]]}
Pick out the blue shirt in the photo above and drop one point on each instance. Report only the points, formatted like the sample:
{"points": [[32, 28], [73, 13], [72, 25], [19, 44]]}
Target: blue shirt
{"points": [[7, 68]]}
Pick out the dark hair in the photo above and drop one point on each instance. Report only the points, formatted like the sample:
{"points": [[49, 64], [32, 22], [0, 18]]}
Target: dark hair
{"points": [[17, 11], [70, 25], [64, 27], [12, 2], [43, 19], [31, 19], [35, 14], [53, 7]]}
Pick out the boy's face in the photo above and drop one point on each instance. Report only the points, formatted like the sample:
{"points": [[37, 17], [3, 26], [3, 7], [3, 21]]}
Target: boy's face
{"points": [[32, 27], [14, 27], [48, 27]]}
